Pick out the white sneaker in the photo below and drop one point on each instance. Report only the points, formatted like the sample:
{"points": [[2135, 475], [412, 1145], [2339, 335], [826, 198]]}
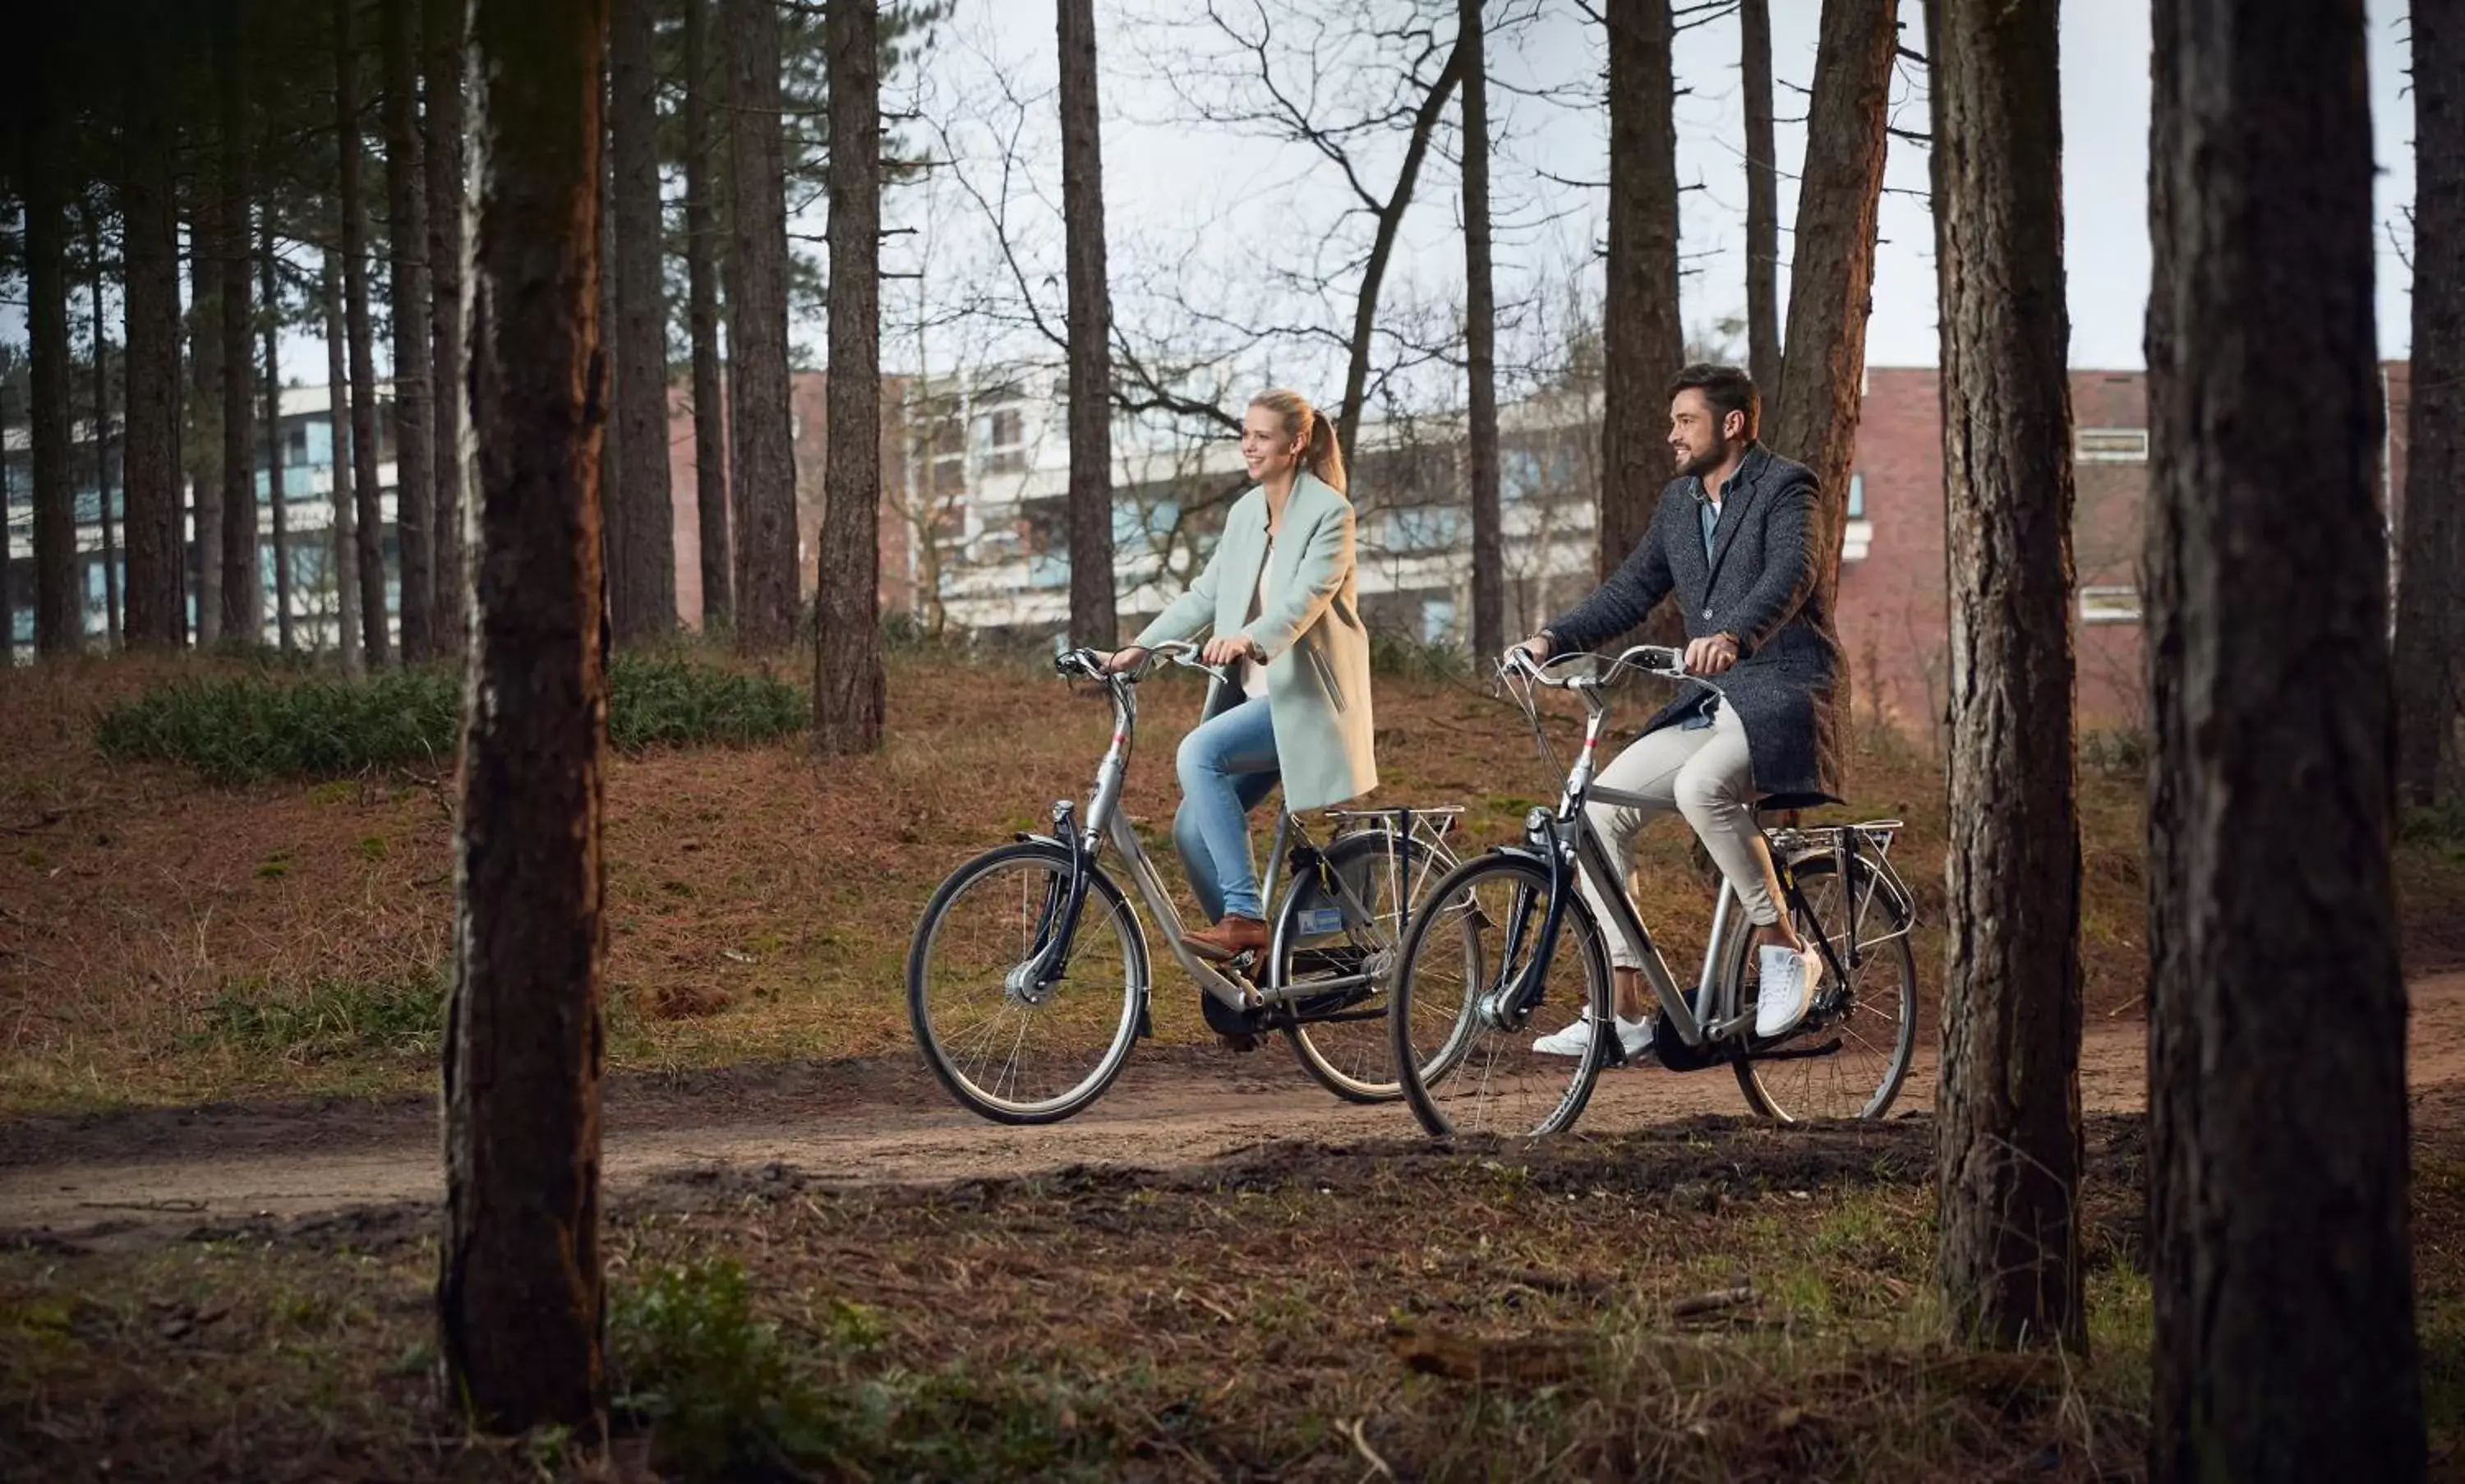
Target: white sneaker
{"points": [[1634, 1038], [1786, 992]]}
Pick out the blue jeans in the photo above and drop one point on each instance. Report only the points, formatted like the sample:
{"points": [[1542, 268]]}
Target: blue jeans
{"points": [[1226, 766]]}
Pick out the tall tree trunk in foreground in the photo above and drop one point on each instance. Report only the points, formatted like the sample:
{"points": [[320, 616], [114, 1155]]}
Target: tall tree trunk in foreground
{"points": [[59, 595], [1481, 340], [2007, 1251], [345, 554], [763, 446], [1642, 342], [2431, 565], [702, 278], [1831, 274], [2281, 1262], [848, 699], [519, 1292], [374, 623], [642, 549], [276, 499], [1093, 620], [156, 594], [1763, 201], [414, 485], [444, 51], [243, 579]]}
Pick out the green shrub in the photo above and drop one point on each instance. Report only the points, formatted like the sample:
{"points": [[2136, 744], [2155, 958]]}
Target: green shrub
{"points": [[248, 728], [336, 1018], [712, 1379], [1394, 655]]}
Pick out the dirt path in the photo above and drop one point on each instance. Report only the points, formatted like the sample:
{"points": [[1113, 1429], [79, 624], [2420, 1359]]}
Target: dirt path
{"points": [[138, 1172]]}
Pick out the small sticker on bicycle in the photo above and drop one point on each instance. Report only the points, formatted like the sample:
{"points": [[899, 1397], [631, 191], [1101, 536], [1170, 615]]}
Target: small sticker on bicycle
{"points": [[1318, 920]]}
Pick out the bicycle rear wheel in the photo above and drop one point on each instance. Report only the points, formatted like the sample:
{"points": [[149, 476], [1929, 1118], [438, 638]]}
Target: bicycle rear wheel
{"points": [[1467, 1004], [1343, 1040], [1872, 1016], [1010, 1049]]}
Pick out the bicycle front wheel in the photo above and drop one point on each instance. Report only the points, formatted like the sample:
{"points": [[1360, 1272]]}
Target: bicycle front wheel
{"points": [[1862, 1033], [1012, 1045], [1468, 1003]]}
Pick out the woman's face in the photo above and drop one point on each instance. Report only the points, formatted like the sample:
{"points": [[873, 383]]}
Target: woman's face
{"points": [[1265, 449]]}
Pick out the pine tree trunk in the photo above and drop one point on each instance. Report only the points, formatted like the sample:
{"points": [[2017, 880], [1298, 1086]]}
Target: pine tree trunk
{"points": [[201, 450], [1832, 274], [156, 611], [519, 1291], [1642, 342], [59, 592], [345, 554], [414, 496], [1093, 619], [701, 277], [101, 433], [765, 482], [2280, 1260], [848, 683], [243, 579], [374, 623], [1480, 342], [2431, 565], [278, 495], [2009, 1116], [1763, 201], [642, 573], [445, 42]]}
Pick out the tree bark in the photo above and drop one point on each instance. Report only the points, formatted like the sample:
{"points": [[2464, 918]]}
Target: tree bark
{"points": [[519, 1292], [1643, 343], [2281, 1263], [414, 487], [2431, 566], [848, 684], [60, 597], [762, 442], [1481, 340], [156, 611], [1093, 618], [643, 551], [201, 447], [1763, 201], [2008, 1109], [101, 433], [243, 584], [1831, 274], [277, 495], [445, 43], [1389, 217], [702, 277], [374, 623], [345, 555]]}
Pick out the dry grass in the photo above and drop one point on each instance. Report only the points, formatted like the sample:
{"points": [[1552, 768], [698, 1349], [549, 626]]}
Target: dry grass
{"points": [[759, 902]]}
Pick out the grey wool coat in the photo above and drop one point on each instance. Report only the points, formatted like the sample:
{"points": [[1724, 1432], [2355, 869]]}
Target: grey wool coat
{"points": [[1759, 586]]}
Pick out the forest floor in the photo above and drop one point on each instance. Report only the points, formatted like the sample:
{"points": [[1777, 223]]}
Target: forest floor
{"points": [[219, 1181]]}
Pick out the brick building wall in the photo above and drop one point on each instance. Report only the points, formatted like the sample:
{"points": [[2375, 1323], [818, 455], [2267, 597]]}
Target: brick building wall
{"points": [[808, 413], [1895, 609]]}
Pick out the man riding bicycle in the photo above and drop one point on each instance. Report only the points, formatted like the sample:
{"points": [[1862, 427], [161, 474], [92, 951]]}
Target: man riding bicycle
{"points": [[1734, 537]]}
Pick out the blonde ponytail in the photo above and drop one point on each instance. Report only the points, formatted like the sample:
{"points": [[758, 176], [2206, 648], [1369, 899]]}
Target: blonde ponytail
{"points": [[1322, 454]]}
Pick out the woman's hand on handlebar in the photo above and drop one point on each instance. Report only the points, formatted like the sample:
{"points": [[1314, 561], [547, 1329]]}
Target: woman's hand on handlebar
{"points": [[1225, 648], [1124, 659]]}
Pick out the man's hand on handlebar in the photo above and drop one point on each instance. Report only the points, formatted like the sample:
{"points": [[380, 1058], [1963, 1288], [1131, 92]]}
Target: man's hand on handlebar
{"points": [[1124, 659], [1711, 654], [1538, 647]]}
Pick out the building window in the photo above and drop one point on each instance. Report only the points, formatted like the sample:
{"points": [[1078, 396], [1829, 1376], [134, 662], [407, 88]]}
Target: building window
{"points": [[1005, 461], [2111, 445], [1008, 428], [949, 476], [1856, 496], [2109, 605]]}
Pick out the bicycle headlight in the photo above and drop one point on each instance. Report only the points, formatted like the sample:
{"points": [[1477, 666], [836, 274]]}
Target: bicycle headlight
{"points": [[1536, 825]]}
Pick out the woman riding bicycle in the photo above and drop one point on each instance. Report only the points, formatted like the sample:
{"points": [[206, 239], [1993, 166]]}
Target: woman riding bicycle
{"points": [[1279, 595]]}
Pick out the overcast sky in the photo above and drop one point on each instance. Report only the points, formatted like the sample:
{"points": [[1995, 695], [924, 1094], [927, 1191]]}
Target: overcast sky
{"points": [[1161, 172]]}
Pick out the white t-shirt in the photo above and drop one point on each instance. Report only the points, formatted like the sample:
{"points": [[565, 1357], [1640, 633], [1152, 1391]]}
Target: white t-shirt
{"points": [[1254, 674]]}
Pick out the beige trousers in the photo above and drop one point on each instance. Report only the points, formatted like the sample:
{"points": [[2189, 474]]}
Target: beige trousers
{"points": [[1705, 775]]}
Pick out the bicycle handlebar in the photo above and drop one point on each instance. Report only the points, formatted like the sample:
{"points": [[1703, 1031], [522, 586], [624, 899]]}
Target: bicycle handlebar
{"points": [[1646, 658], [1089, 663]]}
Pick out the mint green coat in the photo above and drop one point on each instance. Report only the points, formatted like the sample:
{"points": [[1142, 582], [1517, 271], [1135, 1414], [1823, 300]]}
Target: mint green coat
{"points": [[1318, 652]]}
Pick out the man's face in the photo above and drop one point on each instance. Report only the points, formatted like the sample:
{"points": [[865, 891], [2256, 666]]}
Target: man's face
{"points": [[1697, 440]]}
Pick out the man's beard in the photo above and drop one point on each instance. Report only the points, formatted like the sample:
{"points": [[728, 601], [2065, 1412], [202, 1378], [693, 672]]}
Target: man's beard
{"points": [[1703, 463]]}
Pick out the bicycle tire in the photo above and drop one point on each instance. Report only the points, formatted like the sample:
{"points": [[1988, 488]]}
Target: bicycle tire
{"points": [[1888, 999], [1319, 1046], [1105, 907]]}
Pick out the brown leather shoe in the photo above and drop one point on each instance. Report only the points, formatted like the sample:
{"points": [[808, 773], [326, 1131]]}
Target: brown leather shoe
{"points": [[1229, 939]]}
